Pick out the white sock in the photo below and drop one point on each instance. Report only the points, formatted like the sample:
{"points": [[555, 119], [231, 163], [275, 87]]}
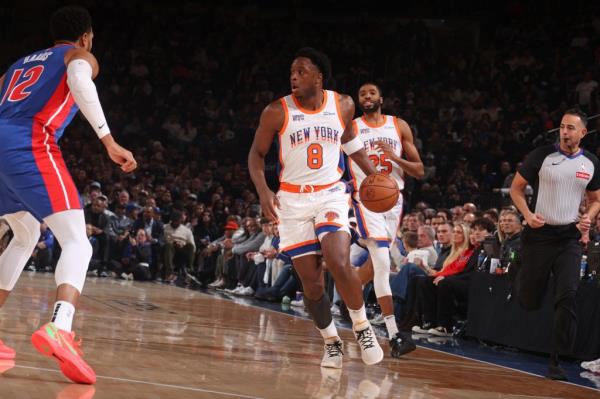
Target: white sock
{"points": [[329, 333], [358, 316], [63, 315], [390, 324]]}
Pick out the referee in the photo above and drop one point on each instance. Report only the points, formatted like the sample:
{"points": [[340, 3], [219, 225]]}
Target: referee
{"points": [[559, 174]]}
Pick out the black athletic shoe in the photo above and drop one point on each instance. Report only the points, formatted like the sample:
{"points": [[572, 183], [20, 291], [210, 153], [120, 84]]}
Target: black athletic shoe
{"points": [[555, 372], [401, 345]]}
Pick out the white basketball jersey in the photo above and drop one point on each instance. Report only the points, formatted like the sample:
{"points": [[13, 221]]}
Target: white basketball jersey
{"points": [[388, 131], [310, 142]]}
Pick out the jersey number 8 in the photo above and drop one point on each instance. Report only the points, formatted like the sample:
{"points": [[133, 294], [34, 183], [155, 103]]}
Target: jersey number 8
{"points": [[314, 156]]}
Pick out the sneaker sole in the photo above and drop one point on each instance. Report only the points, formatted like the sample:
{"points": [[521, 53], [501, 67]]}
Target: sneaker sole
{"points": [[331, 366], [7, 356], [70, 369]]}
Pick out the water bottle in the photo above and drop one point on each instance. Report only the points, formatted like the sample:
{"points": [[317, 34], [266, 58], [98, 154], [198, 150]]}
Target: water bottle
{"points": [[583, 270]]}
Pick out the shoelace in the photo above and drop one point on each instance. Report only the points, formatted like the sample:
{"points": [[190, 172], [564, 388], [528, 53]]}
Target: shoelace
{"points": [[365, 338], [76, 344], [334, 349]]}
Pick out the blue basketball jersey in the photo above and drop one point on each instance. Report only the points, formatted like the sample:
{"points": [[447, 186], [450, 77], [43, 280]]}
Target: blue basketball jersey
{"points": [[35, 90]]}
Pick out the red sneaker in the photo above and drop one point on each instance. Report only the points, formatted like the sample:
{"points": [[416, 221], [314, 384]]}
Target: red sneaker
{"points": [[51, 341], [6, 353]]}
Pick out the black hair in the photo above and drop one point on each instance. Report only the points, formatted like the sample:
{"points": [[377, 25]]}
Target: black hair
{"points": [[372, 84], [578, 112], [485, 224], [69, 23], [320, 60], [176, 215]]}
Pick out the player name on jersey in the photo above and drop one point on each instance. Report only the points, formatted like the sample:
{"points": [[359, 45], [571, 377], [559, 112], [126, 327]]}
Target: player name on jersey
{"points": [[314, 134], [37, 57], [371, 146]]}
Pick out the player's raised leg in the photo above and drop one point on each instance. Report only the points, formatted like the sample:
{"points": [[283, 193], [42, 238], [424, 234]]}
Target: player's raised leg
{"points": [[26, 231]]}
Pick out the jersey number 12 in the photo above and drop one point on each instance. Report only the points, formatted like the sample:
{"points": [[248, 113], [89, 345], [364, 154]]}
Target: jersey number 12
{"points": [[18, 91]]}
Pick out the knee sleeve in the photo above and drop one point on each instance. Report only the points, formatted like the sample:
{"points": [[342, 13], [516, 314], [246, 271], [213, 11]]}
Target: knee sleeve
{"points": [[381, 270], [320, 311], [69, 229], [26, 232]]}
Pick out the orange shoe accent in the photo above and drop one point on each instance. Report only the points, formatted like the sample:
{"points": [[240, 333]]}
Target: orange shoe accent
{"points": [[51, 341], [6, 353], [6, 365]]}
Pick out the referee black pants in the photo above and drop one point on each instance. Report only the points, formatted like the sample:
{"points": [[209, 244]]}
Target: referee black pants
{"points": [[552, 251]]}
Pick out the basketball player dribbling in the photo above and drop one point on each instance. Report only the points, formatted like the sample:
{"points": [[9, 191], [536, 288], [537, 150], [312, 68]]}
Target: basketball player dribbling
{"points": [[312, 126], [40, 94], [385, 138]]}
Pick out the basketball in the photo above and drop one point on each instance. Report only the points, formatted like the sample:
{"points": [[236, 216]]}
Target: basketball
{"points": [[379, 193]]}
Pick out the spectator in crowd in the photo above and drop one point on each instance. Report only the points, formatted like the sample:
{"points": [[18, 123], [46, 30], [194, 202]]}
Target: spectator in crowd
{"points": [[455, 263], [150, 222], [239, 266], [41, 259], [424, 255], [118, 231], [137, 258], [215, 254], [97, 218], [509, 233], [179, 246]]}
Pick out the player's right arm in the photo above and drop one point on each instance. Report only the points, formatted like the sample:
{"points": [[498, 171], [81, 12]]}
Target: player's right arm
{"points": [[271, 120], [82, 68]]}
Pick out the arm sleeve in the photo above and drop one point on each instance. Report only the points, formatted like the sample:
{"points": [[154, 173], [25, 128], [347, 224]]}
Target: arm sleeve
{"points": [[83, 89]]}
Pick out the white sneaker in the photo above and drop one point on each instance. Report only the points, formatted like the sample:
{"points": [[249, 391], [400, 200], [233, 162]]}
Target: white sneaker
{"points": [[234, 290], [439, 331], [216, 283], [593, 366], [247, 291], [333, 356], [298, 304], [371, 352], [377, 320], [424, 329]]}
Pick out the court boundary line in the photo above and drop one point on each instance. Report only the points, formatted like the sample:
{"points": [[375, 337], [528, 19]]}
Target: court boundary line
{"points": [[420, 346], [182, 387]]}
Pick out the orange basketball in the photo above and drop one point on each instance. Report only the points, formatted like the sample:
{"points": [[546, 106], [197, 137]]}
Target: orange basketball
{"points": [[379, 193]]}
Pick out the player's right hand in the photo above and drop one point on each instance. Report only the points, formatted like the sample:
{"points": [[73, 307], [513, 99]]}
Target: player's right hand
{"points": [[268, 203], [535, 221], [122, 157]]}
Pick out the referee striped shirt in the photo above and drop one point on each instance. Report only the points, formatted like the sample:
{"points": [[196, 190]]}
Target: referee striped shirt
{"points": [[559, 181]]}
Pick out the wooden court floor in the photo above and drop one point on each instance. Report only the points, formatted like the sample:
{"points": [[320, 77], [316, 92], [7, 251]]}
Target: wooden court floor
{"points": [[153, 341]]}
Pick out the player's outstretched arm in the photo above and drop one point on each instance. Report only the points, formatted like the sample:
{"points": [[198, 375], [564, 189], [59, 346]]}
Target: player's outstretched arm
{"points": [[82, 68], [412, 165], [271, 121], [351, 144]]}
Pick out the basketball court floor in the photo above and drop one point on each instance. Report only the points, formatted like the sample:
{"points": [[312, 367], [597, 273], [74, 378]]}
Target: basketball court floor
{"points": [[149, 340]]}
